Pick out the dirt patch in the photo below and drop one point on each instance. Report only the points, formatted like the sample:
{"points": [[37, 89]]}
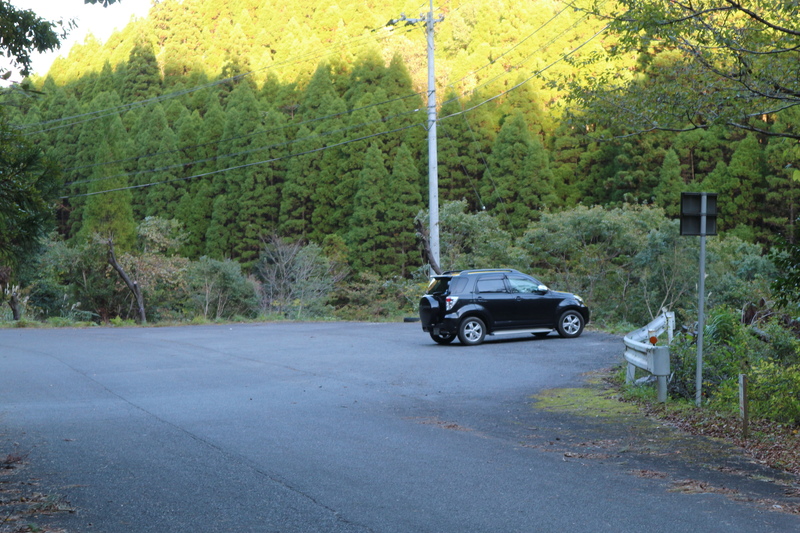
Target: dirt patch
{"points": [[23, 507]]}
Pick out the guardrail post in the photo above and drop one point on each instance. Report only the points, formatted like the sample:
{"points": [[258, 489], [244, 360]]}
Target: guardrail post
{"points": [[661, 370]]}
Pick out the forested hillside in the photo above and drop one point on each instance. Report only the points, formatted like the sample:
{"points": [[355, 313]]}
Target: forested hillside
{"points": [[247, 119]]}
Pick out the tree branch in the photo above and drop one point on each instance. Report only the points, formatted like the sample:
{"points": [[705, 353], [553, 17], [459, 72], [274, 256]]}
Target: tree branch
{"points": [[426, 244], [132, 285]]}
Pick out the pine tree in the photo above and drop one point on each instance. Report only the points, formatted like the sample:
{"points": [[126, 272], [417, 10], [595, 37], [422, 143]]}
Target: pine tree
{"points": [[404, 201], [235, 229], [782, 194], [741, 187], [109, 214], [89, 164], [667, 193], [521, 179], [154, 152], [362, 124], [324, 219], [142, 76], [301, 171], [460, 168], [203, 191], [368, 239], [567, 150]]}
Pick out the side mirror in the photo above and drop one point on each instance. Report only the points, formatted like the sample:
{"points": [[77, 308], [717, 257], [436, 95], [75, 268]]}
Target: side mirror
{"points": [[542, 288]]}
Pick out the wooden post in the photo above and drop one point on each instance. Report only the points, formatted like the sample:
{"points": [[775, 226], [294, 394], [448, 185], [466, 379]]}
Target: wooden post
{"points": [[744, 414]]}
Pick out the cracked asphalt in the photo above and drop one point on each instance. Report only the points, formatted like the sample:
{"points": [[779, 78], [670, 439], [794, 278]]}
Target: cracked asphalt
{"points": [[355, 427]]}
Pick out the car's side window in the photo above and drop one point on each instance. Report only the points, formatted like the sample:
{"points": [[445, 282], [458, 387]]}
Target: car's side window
{"points": [[491, 285], [523, 285], [457, 285]]}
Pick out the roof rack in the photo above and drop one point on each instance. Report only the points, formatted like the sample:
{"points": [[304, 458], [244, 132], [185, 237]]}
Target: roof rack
{"points": [[477, 271]]}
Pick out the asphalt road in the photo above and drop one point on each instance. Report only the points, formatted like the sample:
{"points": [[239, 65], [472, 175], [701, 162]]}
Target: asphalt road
{"points": [[338, 427]]}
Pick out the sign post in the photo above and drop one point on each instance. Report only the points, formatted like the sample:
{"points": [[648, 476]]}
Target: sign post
{"points": [[699, 217]]}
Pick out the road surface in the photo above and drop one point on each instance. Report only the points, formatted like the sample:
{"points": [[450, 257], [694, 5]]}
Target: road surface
{"points": [[347, 427]]}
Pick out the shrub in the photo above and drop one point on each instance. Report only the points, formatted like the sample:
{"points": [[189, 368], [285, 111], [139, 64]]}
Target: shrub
{"points": [[296, 279], [218, 289], [370, 297], [775, 392]]}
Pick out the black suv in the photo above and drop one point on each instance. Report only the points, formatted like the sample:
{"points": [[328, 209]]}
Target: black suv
{"points": [[471, 304]]}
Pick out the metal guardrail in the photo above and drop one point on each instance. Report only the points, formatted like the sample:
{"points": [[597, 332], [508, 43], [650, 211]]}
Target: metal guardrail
{"points": [[642, 352]]}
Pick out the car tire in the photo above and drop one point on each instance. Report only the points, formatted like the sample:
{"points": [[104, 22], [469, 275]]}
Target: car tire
{"points": [[471, 331], [570, 324], [442, 339]]}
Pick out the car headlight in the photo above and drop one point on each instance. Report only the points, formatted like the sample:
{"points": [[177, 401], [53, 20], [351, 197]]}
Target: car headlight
{"points": [[580, 300]]}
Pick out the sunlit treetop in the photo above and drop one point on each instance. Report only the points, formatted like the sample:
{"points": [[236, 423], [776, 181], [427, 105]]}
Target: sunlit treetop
{"points": [[715, 62]]}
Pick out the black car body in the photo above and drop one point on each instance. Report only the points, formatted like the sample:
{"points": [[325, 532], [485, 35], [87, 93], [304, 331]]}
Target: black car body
{"points": [[471, 304]]}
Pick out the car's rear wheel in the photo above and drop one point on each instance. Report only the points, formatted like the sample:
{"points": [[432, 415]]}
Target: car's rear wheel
{"points": [[472, 331], [570, 324], [443, 339]]}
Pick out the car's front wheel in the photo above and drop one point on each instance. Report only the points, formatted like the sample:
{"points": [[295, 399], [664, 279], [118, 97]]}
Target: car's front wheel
{"points": [[570, 324], [472, 331], [443, 339]]}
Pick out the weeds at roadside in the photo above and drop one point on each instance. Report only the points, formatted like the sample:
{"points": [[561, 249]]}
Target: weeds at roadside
{"points": [[770, 443]]}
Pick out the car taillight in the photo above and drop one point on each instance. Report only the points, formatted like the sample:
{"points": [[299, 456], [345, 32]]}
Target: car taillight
{"points": [[450, 301]]}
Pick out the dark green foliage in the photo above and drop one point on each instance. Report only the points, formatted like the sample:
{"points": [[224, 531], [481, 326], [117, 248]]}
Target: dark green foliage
{"points": [[107, 214], [22, 32], [521, 182], [142, 77], [786, 286], [368, 239], [767, 355], [403, 201], [741, 186], [474, 240], [28, 186], [461, 166]]}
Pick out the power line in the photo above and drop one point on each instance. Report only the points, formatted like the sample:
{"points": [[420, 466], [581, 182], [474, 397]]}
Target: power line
{"points": [[517, 45], [529, 78], [205, 174], [238, 137], [244, 152]]}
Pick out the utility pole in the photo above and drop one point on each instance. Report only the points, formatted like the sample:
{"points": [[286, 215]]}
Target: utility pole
{"points": [[433, 162]]}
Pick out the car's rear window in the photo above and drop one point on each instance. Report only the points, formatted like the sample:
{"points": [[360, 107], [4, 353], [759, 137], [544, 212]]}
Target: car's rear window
{"points": [[441, 285], [438, 285]]}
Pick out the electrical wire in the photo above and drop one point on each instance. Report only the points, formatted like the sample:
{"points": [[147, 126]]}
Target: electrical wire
{"points": [[529, 78], [244, 152], [239, 137], [246, 165], [517, 45]]}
